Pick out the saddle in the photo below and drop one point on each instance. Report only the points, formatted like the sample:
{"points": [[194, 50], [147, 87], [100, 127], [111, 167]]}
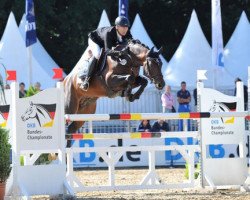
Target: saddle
{"points": [[119, 54]]}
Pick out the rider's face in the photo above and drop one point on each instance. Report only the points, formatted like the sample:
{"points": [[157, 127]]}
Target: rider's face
{"points": [[122, 30]]}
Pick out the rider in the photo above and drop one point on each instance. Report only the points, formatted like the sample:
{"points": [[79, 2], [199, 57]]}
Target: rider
{"points": [[106, 37]]}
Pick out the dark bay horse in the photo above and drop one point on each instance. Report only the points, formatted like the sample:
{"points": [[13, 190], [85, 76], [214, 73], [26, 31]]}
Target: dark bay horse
{"points": [[119, 77]]}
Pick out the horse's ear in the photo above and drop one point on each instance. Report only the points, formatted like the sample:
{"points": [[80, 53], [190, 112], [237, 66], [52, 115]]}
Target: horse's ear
{"points": [[160, 51], [31, 103], [151, 51]]}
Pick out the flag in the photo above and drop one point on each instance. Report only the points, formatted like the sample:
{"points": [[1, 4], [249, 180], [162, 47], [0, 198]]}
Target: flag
{"points": [[123, 8], [217, 39], [11, 75], [30, 26], [58, 73]]}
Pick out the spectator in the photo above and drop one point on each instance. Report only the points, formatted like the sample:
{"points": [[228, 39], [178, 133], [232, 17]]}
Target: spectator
{"points": [[245, 93], [7, 87], [38, 86], [144, 126], [160, 126], [22, 91], [167, 100], [184, 98], [195, 98]]}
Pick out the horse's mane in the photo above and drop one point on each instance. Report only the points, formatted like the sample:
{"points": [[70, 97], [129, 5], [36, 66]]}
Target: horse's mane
{"points": [[221, 105], [41, 110], [133, 41]]}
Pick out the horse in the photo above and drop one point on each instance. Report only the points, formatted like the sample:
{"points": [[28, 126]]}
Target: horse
{"points": [[119, 76], [38, 112]]}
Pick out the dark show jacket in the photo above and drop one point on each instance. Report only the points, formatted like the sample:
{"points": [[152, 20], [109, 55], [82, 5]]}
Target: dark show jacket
{"points": [[106, 37]]}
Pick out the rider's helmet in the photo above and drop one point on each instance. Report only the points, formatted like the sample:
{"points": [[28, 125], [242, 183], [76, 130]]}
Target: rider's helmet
{"points": [[122, 21]]}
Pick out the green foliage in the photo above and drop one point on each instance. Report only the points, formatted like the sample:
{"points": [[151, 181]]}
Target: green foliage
{"points": [[196, 173], [31, 91], [21, 160], [5, 151]]}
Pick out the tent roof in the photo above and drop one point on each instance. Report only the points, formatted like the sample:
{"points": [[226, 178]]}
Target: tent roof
{"points": [[193, 53], [39, 52], [15, 57], [104, 21], [139, 32], [236, 52]]}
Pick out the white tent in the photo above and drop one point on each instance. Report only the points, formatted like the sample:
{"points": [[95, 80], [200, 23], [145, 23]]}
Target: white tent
{"points": [[237, 50], [39, 52], [194, 53], [139, 32], [13, 54], [104, 21]]}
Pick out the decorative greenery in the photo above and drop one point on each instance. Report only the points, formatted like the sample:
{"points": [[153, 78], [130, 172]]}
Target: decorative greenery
{"points": [[31, 91], [5, 155], [196, 173]]}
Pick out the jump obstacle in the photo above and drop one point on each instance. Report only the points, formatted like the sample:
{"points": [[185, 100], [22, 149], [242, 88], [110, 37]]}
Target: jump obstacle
{"points": [[32, 136]]}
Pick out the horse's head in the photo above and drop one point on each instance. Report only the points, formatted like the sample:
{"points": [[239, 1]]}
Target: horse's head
{"points": [[218, 107], [150, 60], [152, 68], [30, 112]]}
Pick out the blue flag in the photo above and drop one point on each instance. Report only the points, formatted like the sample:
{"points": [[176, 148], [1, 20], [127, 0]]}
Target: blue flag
{"points": [[123, 8], [30, 27], [217, 39]]}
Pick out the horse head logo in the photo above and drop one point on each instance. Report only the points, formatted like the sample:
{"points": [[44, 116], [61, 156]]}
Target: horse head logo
{"points": [[224, 107], [40, 113]]}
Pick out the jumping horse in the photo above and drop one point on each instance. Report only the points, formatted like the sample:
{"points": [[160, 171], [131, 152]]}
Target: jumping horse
{"points": [[119, 76]]}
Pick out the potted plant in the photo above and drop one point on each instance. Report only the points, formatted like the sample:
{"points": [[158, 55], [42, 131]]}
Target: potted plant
{"points": [[5, 160]]}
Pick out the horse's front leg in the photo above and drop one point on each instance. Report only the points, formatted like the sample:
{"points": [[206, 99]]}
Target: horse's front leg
{"points": [[142, 82], [122, 83]]}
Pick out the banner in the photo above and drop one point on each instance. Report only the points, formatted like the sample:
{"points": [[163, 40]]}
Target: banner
{"points": [[217, 39], [30, 26], [123, 8]]}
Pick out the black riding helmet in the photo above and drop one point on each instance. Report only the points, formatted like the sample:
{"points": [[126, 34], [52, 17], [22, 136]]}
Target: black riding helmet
{"points": [[122, 21]]}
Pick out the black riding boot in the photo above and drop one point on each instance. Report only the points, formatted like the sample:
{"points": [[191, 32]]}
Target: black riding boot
{"points": [[91, 66]]}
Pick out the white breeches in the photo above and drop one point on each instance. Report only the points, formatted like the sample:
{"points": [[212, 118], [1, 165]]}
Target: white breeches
{"points": [[95, 48]]}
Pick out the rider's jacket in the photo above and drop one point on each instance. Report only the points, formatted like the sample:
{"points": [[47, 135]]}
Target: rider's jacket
{"points": [[106, 37]]}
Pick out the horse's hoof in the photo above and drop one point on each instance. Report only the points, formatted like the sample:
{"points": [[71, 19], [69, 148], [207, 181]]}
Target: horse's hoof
{"points": [[130, 98], [136, 97]]}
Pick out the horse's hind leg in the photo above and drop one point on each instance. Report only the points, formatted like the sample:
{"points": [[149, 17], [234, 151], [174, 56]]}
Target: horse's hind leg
{"points": [[88, 109], [74, 126]]}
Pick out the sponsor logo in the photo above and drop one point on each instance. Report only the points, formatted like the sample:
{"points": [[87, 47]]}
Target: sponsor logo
{"points": [[123, 62], [43, 113], [224, 107]]}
